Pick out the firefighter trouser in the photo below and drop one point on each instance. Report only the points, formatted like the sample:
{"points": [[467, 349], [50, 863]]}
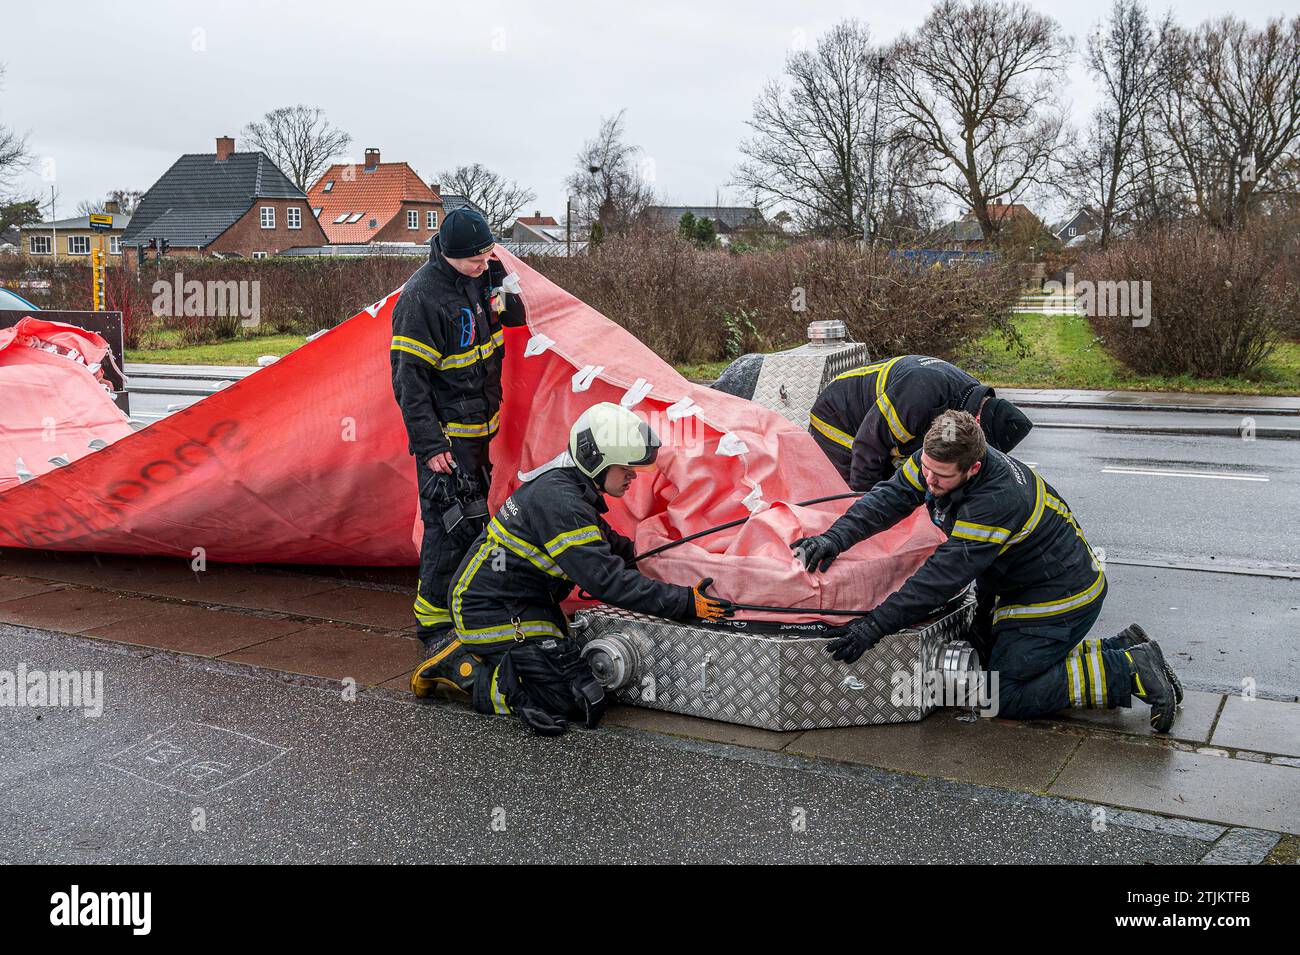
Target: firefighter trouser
{"points": [[545, 673], [1043, 666], [441, 552]]}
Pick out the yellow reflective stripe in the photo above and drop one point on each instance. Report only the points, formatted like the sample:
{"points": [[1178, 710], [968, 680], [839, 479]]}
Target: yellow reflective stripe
{"points": [[1074, 679], [1035, 515], [835, 434], [864, 370], [458, 592], [455, 429], [913, 474], [985, 533], [432, 619], [1051, 608], [417, 348], [499, 705], [1098, 670], [506, 631], [891, 418], [477, 353], [521, 548], [558, 544]]}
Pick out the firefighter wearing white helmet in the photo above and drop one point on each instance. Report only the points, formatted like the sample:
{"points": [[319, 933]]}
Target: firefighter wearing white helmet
{"points": [[511, 652]]}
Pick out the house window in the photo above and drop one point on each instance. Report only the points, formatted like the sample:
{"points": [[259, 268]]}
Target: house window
{"points": [[374, 223], [329, 186], [412, 219], [1073, 231], [432, 220], [78, 245], [39, 244], [343, 217], [114, 245], [316, 212], [355, 217], [268, 217], [293, 217], [259, 255]]}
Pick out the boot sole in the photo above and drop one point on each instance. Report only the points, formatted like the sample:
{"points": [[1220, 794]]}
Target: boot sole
{"points": [[425, 686], [1140, 637]]}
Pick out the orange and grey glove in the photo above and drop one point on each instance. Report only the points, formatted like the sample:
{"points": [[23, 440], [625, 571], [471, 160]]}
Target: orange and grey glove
{"points": [[707, 606]]}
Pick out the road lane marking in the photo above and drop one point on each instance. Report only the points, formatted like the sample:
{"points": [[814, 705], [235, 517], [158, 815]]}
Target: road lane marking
{"points": [[1210, 475]]}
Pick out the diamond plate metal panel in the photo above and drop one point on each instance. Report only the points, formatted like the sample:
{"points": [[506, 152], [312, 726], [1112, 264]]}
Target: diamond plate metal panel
{"points": [[790, 381], [772, 681]]}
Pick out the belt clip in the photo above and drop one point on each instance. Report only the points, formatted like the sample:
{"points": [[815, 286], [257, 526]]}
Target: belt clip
{"points": [[519, 632]]}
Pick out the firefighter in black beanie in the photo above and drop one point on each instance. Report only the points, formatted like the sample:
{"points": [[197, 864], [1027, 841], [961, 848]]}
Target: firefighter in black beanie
{"points": [[446, 359]]}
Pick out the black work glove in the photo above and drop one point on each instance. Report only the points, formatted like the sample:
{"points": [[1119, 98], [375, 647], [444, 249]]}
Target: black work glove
{"points": [[851, 640], [496, 273], [708, 607], [816, 553], [541, 722]]}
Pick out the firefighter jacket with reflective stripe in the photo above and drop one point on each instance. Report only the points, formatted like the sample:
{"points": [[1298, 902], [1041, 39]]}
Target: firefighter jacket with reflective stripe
{"points": [[548, 536], [1006, 526], [446, 353], [881, 411]]}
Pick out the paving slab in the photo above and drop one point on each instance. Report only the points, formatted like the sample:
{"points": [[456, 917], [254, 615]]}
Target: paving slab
{"points": [[11, 588], [72, 610], [1165, 780], [185, 628], [1264, 726], [1195, 718], [990, 752], [402, 682], [240, 587], [364, 605], [713, 731], [335, 653]]}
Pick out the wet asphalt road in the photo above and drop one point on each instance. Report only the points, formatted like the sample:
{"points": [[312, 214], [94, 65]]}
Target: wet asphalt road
{"points": [[199, 762]]}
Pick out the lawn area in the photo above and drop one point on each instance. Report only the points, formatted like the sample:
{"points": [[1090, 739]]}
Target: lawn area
{"points": [[240, 351], [1064, 354]]}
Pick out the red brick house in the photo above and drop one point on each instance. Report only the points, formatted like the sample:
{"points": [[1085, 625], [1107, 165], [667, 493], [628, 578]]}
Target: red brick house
{"points": [[227, 203], [376, 202]]}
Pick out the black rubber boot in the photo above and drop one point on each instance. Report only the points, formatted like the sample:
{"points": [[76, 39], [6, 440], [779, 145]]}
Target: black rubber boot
{"points": [[1152, 686], [450, 666], [1133, 635]]}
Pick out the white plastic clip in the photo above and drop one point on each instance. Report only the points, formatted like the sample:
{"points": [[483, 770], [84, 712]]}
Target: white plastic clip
{"points": [[729, 446], [754, 500], [538, 344], [636, 394], [583, 379], [682, 409]]}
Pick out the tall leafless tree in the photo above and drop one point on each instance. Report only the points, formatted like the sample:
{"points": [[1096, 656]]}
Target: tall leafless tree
{"points": [[1232, 112], [128, 200], [1107, 169], [609, 183], [813, 134], [298, 139], [14, 156], [975, 88], [499, 198]]}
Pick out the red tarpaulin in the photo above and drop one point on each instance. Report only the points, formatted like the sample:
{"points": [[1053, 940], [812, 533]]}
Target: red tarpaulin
{"points": [[305, 461]]}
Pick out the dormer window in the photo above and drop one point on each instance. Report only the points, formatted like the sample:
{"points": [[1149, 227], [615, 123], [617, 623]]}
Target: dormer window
{"points": [[329, 186]]}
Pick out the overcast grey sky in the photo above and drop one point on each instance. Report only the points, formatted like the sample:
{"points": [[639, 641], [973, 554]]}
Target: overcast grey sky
{"points": [[111, 93]]}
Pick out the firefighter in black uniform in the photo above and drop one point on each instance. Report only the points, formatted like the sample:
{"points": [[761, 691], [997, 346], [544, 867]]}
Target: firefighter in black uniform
{"points": [[511, 652], [870, 419], [1013, 534], [446, 358]]}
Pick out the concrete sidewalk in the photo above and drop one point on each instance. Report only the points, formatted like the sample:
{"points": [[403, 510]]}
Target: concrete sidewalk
{"points": [[1230, 761]]}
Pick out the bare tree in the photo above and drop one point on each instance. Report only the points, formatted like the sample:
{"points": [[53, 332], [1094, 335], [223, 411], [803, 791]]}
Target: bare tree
{"points": [[609, 183], [1232, 113], [128, 200], [1107, 170], [14, 157], [974, 88], [299, 139], [500, 199], [813, 133]]}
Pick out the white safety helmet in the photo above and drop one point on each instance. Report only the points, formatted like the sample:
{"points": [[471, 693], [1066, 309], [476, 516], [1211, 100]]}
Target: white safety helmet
{"points": [[607, 434]]}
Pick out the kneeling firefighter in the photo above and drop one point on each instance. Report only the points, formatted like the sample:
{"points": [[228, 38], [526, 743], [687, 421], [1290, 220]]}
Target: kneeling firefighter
{"points": [[512, 652], [869, 420]]}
